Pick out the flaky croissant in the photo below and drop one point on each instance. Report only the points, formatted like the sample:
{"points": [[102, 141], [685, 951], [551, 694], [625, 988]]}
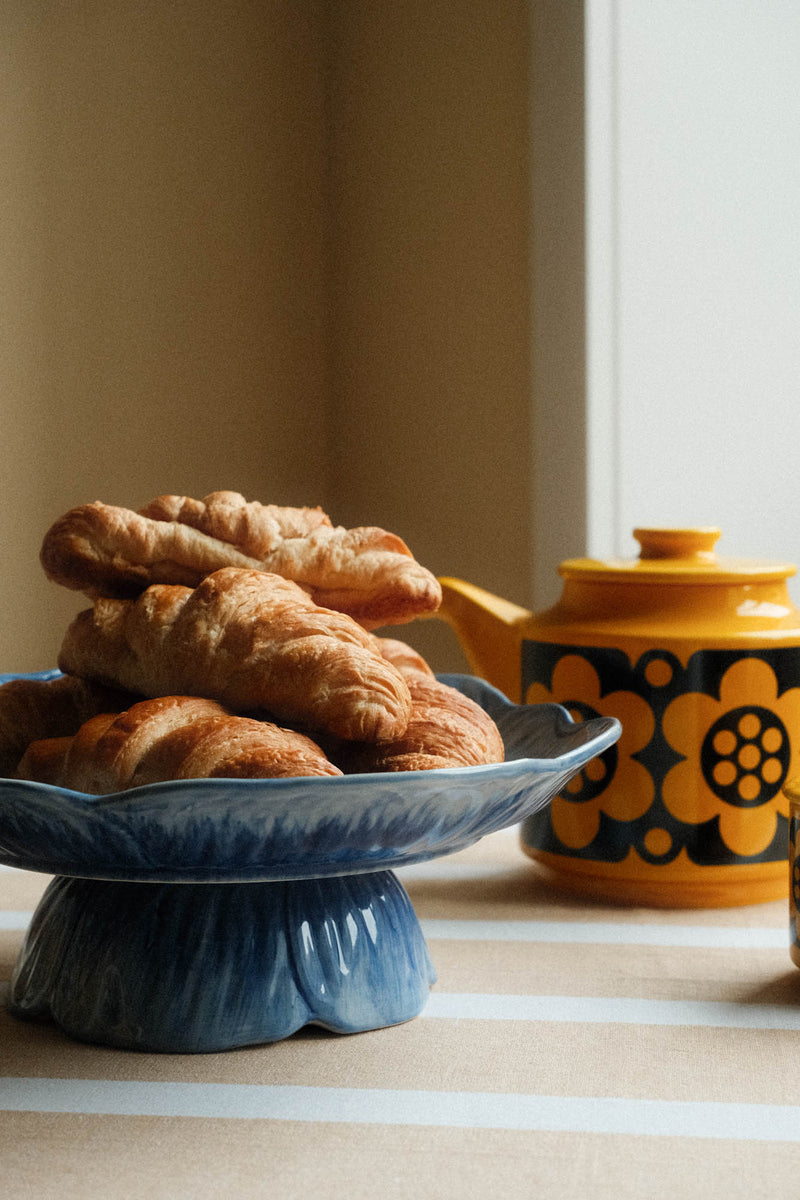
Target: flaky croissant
{"points": [[109, 551], [249, 640], [42, 708], [407, 660], [446, 729], [173, 737]]}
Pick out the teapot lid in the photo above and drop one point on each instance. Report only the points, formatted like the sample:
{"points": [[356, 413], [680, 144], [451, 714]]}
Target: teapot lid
{"points": [[676, 556]]}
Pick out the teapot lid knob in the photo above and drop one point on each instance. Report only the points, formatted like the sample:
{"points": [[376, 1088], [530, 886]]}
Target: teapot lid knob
{"points": [[695, 544], [676, 556]]}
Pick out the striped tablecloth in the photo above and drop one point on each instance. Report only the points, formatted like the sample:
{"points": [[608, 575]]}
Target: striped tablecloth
{"points": [[569, 1049]]}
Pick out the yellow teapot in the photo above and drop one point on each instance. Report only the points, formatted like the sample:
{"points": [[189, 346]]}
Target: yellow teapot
{"points": [[699, 658]]}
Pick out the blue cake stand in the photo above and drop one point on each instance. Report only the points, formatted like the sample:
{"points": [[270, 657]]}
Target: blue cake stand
{"points": [[202, 915]]}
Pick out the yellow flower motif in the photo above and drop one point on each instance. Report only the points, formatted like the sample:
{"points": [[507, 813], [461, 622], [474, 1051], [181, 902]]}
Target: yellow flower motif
{"points": [[624, 791], [736, 755]]}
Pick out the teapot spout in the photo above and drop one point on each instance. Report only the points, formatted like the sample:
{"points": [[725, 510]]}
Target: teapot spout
{"points": [[490, 631]]}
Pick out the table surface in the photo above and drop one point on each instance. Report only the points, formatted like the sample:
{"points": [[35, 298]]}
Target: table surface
{"points": [[568, 1049]]}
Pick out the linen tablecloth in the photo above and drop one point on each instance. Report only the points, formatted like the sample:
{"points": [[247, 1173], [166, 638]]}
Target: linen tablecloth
{"points": [[569, 1049]]}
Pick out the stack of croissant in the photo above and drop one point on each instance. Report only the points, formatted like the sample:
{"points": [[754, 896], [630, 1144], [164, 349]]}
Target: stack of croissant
{"points": [[234, 639]]}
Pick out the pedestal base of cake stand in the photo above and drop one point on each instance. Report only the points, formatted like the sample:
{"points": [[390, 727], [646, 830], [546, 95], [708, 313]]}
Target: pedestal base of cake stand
{"points": [[200, 967]]}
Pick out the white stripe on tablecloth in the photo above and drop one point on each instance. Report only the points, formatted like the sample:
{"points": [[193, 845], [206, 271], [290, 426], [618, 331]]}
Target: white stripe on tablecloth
{"points": [[11, 919], [609, 1010], [433, 869], [722, 937], [610, 933], [452, 872], [381, 1106], [596, 1010], [449, 872]]}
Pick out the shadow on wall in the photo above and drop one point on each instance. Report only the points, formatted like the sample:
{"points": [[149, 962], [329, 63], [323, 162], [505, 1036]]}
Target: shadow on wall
{"points": [[285, 255], [166, 319]]}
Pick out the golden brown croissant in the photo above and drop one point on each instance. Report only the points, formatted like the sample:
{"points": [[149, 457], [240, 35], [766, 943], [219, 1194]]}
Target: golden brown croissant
{"points": [[173, 737], [407, 660], [41, 708], [249, 640], [108, 551], [446, 729]]}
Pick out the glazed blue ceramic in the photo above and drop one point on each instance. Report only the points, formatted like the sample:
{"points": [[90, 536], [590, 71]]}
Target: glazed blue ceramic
{"points": [[205, 914]]}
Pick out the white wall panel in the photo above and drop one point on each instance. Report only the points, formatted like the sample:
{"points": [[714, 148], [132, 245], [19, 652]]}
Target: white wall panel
{"points": [[693, 270]]}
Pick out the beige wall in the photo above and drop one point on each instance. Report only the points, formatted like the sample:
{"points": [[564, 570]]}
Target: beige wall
{"points": [[162, 226], [277, 247], [431, 310]]}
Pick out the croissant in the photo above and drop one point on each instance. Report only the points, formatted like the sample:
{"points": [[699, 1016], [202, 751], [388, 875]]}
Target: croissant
{"points": [[41, 708], [251, 641], [446, 729], [108, 551], [407, 660], [173, 737]]}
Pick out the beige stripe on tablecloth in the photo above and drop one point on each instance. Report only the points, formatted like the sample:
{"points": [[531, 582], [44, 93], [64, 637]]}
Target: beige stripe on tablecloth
{"points": [[68, 1158], [523, 892], [21, 889], [707, 1064]]}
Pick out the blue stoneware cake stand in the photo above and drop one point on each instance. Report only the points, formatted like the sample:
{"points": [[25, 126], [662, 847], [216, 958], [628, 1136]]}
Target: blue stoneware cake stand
{"points": [[202, 915]]}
